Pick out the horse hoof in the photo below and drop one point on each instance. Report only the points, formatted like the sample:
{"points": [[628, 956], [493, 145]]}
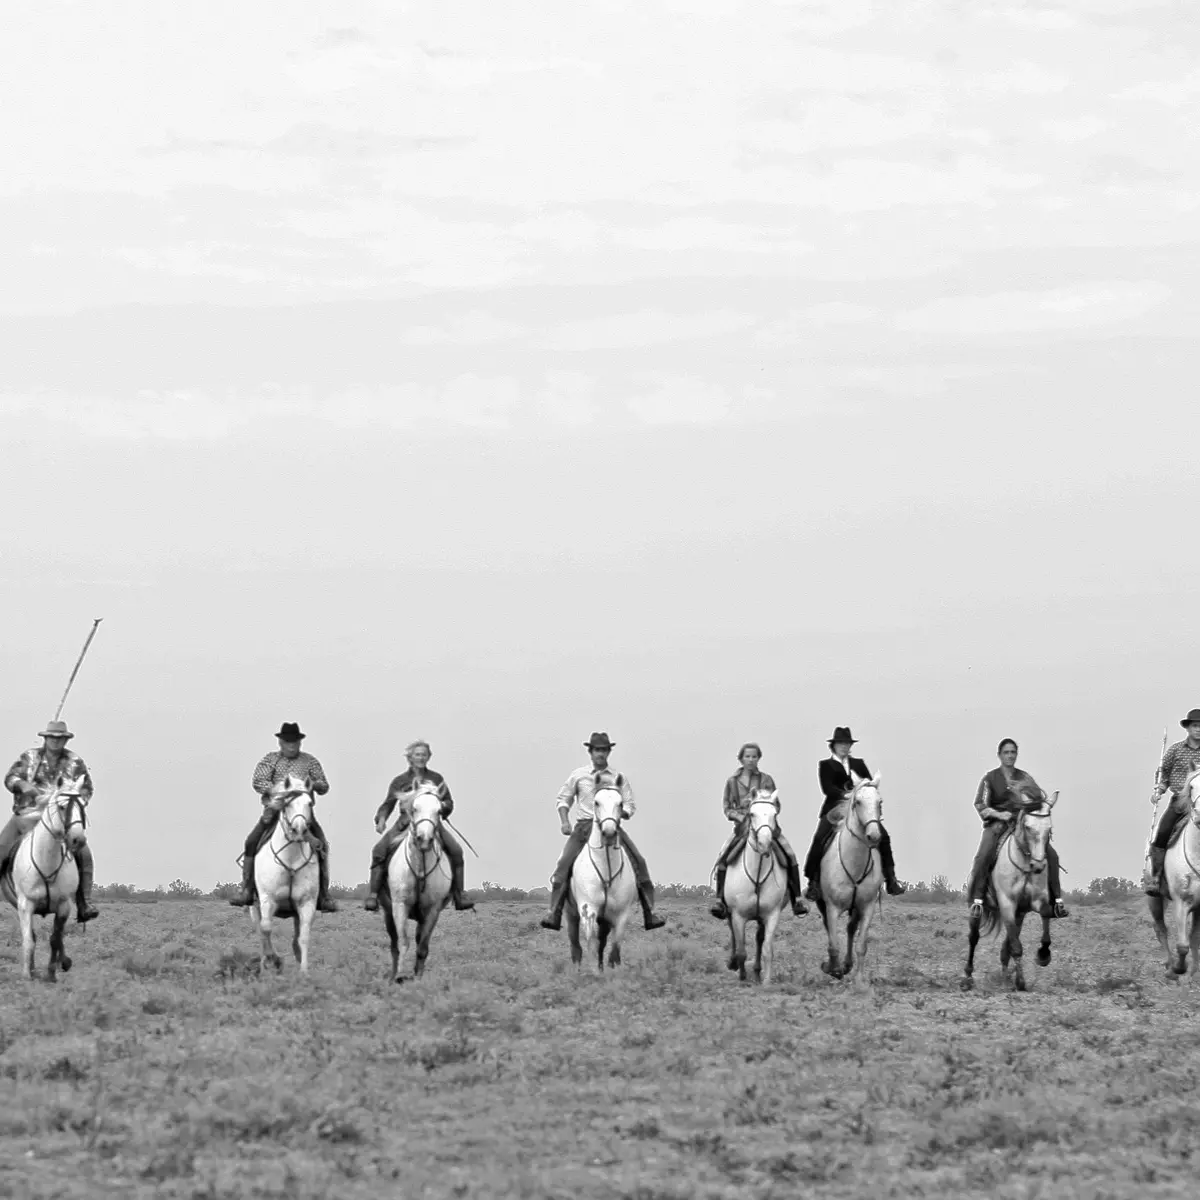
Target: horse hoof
{"points": [[1043, 957], [65, 963], [826, 968], [967, 985], [732, 964]]}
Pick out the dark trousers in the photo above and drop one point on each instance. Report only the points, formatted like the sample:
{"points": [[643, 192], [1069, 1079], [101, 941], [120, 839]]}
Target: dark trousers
{"points": [[18, 826], [985, 861], [382, 850], [1175, 812], [576, 841], [261, 832], [738, 839], [823, 837]]}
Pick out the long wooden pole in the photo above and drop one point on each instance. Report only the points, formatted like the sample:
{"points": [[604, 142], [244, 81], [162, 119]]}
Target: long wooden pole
{"points": [[1154, 799], [78, 664]]}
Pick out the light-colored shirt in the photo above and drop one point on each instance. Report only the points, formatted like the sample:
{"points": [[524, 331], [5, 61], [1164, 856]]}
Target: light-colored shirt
{"points": [[580, 790], [275, 767], [34, 767]]}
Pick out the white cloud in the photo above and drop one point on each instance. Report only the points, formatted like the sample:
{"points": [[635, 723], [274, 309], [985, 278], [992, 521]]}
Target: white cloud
{"points": [[643, 328], [569, 398], [472, 328], [799, 327], [1171, 92], [685, 400], [1066, 308]]}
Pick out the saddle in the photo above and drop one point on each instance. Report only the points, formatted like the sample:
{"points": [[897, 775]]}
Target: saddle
{"points": [[1181, 820], [739, 844]]}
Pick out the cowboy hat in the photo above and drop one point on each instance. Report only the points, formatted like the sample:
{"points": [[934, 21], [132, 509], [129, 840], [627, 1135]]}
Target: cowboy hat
{"points": [[842, 734], [56, 729], [289, 731], [1194, 715], [599, 741]]}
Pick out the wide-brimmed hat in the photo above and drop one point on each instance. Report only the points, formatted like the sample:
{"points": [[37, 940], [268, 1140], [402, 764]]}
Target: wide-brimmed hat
{"points": [[56, 729], [1194, 715], [599, 741], [842, 734], [289, 731]]}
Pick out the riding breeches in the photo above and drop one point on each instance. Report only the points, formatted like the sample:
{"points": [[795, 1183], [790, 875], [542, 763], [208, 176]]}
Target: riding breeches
{"points": [[578, 839], [262, 830], [382, 850], [14, 830], [1172, 814], [737, 839], [985, 861], [823, 838]]}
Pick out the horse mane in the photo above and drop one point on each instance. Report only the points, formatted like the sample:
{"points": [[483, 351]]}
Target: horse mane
{"points": [[608, 780]]}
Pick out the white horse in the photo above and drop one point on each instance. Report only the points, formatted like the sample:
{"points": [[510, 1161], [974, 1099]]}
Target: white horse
{"points": [[286, 872], [756, 888], [418, 881], [1018, 884], [43, 878], [603, 890], [1181, 880], [851, 876]]}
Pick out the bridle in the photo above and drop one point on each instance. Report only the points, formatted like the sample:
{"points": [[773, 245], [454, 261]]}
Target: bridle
{"points": [[287, 823], [848, 826], [767, 855], [74, 803], [1019, 836], [608, 876], [422, 871]]}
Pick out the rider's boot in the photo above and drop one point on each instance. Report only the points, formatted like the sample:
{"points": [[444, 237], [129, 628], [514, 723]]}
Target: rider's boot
{"points": [[456, 888], [245, 897], [646, 896], [375, 885], [324, 903], [720, 909], [796, 888], [1158, 861], [85, 910], [894, 886], [558, 898]]}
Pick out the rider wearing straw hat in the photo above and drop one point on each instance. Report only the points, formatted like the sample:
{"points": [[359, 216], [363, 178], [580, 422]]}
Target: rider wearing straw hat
{"points": [[837, 775], [579, 791], [1180, 761], [273, 768], [34, 774]]}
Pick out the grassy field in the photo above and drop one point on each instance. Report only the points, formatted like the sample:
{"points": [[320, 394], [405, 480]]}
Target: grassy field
{"points": [[164, 1066]]}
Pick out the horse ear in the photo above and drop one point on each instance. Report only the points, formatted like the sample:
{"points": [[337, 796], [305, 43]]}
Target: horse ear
{"points": [[1053, 800], [878, 777], [620, 781]]}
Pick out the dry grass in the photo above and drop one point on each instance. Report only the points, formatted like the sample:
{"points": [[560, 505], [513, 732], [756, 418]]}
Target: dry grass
{"points": [[165, 1065]]}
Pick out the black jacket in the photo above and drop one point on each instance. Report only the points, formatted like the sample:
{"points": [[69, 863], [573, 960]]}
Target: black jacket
{"points": [[835, 782]]}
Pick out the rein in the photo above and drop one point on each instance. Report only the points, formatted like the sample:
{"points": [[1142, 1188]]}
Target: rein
{"points": [[420, 874], [288, 826], [767, 856], [1022, 845], [608, 876], [73, 803], [857, 836]]}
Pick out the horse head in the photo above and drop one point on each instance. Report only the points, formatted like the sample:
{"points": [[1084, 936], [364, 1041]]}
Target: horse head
{"points": [[763, 819], [1190, 791], [292, 799], [608, 806], [65, 815], [865, 805], [1033, 831], [426, 814]]}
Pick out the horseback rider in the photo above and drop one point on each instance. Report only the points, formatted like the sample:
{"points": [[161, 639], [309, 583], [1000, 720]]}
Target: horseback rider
{"points": [[400, 792], [274, 768], [1001, 795], [1180, 760], [30, 778], [740, 789], [579, 790], [838, 775]]}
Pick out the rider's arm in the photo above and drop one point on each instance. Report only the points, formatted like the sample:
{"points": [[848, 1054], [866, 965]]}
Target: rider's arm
{"points": [[84, 780], [627, 801], [982, 806], [447, 799], [729, 801], [389, 801], [316, 776], [262, 780], [566, 793], [832, 789], [15, 780]]}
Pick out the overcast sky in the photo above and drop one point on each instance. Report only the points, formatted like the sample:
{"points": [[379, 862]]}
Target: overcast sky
{"points": [[696, 372]]}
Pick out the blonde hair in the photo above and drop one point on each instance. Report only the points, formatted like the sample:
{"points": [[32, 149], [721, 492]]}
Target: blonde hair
{"points": [[408, 750]]}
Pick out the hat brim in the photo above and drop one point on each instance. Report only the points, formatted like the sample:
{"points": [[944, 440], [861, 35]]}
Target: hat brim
{"points": [[843, 741], [1185, 722], [598, 745], [291, 737], [53, 733]]}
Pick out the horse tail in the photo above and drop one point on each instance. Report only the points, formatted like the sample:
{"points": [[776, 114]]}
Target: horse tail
{"points": [[990, 921]]}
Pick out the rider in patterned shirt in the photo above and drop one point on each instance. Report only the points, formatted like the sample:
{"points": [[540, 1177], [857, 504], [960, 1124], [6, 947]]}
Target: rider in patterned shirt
{"points": [[1180, 761], [36, 773], [273, 768], [740, 788]]}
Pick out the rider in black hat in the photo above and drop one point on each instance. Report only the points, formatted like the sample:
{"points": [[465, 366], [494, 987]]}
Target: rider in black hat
{"points": [[273, 768], [1180, 761], [579, 790], [838, 775]]}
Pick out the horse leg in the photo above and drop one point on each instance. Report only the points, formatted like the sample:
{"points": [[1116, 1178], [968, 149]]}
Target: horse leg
{"points": [[572, 915], [766, 945], [737, 960], [832, 964], [862, 975], [1014, 934], [389, 923], [1194, 943], [56, 946], [759, 937], [603, 928], [968, 981], [1179, 913], [1160, 928], [303, 930], [1043, 954], [400, 920], [853, 921], [266, 916], [617, 937], [425, 927], [28, 937]]}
